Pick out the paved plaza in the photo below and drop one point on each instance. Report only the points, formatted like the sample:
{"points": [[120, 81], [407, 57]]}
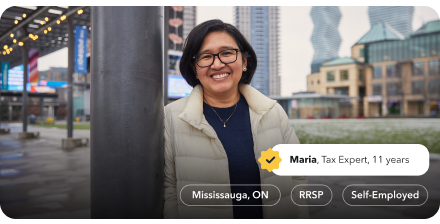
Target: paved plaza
{"points": [[38, 179]]}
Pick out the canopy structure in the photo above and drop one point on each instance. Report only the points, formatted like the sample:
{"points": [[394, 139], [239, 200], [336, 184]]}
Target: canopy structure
{"points": [[49, 23]]}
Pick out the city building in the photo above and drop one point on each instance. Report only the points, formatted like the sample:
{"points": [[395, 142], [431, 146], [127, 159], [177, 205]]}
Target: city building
{"points": [[54, 74], [325, 37], [189, 20], [259, 24], [398, 17], [387, 75]]}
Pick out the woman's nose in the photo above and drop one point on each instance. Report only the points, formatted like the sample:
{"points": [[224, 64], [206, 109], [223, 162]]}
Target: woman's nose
{"points": [[217, 63]]}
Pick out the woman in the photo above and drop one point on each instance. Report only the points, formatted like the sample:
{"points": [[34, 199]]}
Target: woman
{"points": [[217, 133]]}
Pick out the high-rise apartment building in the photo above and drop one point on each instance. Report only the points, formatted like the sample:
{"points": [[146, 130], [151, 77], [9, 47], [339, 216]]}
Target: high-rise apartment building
{"points": [[189, 20], [398, 17], [325, 37], [259, 24]]}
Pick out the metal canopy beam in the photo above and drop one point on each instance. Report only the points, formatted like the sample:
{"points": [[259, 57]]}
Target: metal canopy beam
{"points": [[127, 159], [26, 21]]}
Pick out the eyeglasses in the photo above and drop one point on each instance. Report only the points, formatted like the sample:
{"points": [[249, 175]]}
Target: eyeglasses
{"points": [[207, 59]]}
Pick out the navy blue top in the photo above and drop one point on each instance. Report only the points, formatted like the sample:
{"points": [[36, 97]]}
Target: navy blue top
{"points": [[237, 140]]}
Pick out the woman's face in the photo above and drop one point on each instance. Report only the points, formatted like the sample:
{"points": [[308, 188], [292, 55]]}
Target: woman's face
{"points": [[213, 77]]}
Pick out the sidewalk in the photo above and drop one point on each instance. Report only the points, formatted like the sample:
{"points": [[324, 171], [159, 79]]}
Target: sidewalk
{"points": [[40, 180]]}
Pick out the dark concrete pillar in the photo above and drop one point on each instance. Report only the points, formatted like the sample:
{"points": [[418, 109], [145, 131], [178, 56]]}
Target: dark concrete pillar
{"points": [[70, 70], [165, 54], [24, 108], [127, 158]]}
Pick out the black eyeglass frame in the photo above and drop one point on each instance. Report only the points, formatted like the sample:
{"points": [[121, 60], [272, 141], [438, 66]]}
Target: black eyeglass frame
{"points": [[218, 55]]}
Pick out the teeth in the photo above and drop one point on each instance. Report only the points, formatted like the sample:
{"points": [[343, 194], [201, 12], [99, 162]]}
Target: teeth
{"points": [[220, 76]]}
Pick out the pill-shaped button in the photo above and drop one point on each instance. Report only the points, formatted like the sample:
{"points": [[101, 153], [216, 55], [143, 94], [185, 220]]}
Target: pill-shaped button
{"points": [[311, 195], [385, 195]]}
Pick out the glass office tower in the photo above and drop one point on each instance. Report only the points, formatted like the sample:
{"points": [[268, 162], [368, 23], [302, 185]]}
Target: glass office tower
{"points": [[259, 24]]}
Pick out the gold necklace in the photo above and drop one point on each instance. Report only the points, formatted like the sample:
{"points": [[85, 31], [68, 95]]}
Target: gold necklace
{"points": [[224, 123]]}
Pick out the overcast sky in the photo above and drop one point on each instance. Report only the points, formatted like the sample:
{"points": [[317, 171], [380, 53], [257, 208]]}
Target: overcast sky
{"points": [[296, 51]]}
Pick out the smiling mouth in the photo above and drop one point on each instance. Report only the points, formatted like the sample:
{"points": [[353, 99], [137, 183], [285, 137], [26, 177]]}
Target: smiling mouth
{"points": [[219, 76]]}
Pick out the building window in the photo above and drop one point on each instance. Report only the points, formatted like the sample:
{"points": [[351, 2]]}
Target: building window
{"points": [[377, 72], [434, 67], [434, 87], [318, 82], [417, 87], [418, 68], [377, 89], [361, 53], [393, 71], [394, 88], [331, 76], [361, 75], [341, 91], [344, 74]]}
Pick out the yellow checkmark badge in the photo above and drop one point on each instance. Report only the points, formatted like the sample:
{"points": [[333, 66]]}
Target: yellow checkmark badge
{"points": [[270, 160]]}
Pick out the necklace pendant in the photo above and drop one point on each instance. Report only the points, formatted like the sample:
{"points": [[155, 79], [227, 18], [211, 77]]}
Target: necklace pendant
{"points": [[224, 125]]}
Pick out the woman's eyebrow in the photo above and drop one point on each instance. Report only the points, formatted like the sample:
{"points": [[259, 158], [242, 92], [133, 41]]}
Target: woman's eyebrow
{"points": [[222, 47]]}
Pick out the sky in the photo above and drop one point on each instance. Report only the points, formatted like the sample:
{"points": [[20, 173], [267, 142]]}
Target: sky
{"points": [[296, 51]]}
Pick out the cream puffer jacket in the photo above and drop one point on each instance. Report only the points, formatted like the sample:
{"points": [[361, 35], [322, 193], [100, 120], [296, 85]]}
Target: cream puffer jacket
{"points": [[195, 155]]}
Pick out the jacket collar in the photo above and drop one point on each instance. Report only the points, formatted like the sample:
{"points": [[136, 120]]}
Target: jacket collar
{"points": [[193, 111]]}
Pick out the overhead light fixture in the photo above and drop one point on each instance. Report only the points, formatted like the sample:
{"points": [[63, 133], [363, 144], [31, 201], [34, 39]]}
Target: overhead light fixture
{"points": [[33, 26], [18, 18], [28, 7], [37, 21], [64, 7], [54, 11]]}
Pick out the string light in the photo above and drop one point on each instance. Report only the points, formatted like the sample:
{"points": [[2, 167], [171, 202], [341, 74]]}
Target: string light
{"points": [[30, 35], [14, 40], [58, 22], [12, 35], [5, 47], [80, 12], [24, 15], [45, 31], [20, 43], [63, 17], [47, 19], [42, 22], [49, 29], [10, 49], [16, 21], [7, 51], [4, 52]]}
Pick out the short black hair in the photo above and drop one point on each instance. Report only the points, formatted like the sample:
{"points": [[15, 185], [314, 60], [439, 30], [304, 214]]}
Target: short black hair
{"points": [[195, 39]]}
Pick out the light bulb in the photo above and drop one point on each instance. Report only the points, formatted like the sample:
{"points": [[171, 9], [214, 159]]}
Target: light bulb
{"points": [[49, 28], [45, 31], [16, 21], [12, 35], [14, 40], [24, 15], [47, 19], [58, 22]]}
